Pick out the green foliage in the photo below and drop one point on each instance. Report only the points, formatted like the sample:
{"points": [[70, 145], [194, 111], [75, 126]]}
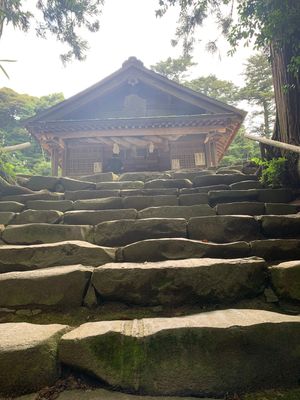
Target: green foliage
{"points": [[240, 150], [274, 172], [216, 88], [174, 68], [63, 19], [14, 108]]}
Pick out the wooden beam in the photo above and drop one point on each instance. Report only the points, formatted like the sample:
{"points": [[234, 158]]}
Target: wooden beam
{"points": [[122, 142], [15, 147], [274, 143], [154, 139], [138, 142], [54, 160], [162, 132]]}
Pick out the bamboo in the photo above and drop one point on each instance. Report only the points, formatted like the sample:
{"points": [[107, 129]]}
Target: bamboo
{"points": [[274, 143], [15, 147]]}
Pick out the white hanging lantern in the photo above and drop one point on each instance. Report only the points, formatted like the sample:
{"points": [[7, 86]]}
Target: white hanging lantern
{"points": [[116, 149], [151, 147]]}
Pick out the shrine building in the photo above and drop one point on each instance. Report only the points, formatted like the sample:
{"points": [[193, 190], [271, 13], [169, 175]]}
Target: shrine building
{"points": [[141, 118]]}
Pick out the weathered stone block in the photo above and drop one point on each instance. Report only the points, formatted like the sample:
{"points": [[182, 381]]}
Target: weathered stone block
{"points": [[58, 205], [149, 192], [100, 177], [275, 195], [74, 184], [224, 229], [193, 199], [37, 216], [168, 183], [120, 185], [186, 212], [6, 217], [94, 217], [42, 195], [245, 185], [119, 233], [30, 257], [28, 357], [144, 176], [276, 249], [229, 196], [281, 208], [141, 202], [278, 226], [91, 194], [176, 249], [46, 233], [180, 282], [59, 286], [243, 208], [108, 203], [159, 352], [39, 182], [12, 206], [285, 278], [219, 179]]}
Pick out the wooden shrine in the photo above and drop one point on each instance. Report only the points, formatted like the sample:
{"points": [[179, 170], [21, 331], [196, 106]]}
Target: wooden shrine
{"points": [[135, 120]]}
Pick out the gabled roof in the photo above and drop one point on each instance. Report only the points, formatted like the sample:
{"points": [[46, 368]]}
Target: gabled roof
{"points": [[133, 69]]}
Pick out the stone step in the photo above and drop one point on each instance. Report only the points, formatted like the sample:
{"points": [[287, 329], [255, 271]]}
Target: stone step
{"points": [[93, 217], [11, 206], [90, 194], [58, 205], [100, 177], [107, 203], [276, 249], [149, 192], [24, 198], [102, 394], [204, 189], [219, 179], [224, 229], [37, 216], [144, 176], [28, 357], [122, 232], [141, 202], [285, 278], [199, 281], [59, 287], [168, 183], [6, 217], [186, 212], [193, 199], [120, 185], [30, 257], [178, 248], [46, 233], [207, 354], [260, 195], [278, 226]]}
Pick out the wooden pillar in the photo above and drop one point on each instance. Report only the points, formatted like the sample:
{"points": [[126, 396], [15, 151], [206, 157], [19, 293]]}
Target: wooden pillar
{"points": [[54, 160], [207, 154], [214, 162]]}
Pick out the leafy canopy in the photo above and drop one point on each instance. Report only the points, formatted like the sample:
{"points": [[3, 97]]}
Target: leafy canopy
{"points": [[61, 18]]}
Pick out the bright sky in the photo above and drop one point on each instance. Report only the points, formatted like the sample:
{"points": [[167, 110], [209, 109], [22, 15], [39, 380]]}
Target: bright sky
{"points": [[128, 28]]}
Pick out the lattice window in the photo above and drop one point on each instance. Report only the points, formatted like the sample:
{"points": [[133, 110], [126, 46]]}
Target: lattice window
{"points": [[81, 159]]}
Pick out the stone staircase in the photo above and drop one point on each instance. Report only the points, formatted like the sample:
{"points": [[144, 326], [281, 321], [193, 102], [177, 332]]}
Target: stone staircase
{"points": [[152, 284]]}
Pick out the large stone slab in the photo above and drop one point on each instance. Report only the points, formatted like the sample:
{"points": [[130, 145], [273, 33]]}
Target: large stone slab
{"points": [[179, 282], [12, 206], [245, 185], [276, 249], [204, 189], [285, 278], [224, 229], [39, 182], [46, 233], [174, 249], [226, 179], [120, 185], [186, 212], [275, 195], [100, 177], [102, 394], [37, 216], [144, 176], [94, 217], [279, 226], [30, 257], [149, 192], [6, 217], [58, 205], [24, 198], [61, 287], [281, 208], [75, 184], [229, 196], [241, 208], [212, 353], [119, 233], [28, 357], [90, 194], [168, 183], [193, 199], [108, 203], [141, 202]]}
